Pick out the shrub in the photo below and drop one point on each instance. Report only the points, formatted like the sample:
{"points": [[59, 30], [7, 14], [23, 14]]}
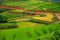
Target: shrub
{"points": [[8, 25], [39, 21], [3, 10], [3, 19]]}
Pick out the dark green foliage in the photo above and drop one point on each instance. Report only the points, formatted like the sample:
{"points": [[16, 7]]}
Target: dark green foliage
{"points": [[8, 25], [3, 10], [1, 2], [42, 15], [3, 19], [39, 21]]}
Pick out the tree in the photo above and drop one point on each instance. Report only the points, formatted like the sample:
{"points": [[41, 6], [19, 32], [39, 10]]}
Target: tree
{"points": [[3, 19], [1, 1]]}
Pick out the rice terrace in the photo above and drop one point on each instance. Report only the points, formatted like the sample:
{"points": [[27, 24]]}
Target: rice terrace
{"points": [[29, 20]]}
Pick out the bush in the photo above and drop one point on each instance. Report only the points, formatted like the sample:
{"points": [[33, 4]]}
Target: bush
{"points": [[39, 21], [8, 25], [3, 10], [3, 19]]}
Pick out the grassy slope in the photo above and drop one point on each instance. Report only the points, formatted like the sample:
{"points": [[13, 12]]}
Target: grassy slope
{"points": [[43, 32], [28, 24], [21, 34]]}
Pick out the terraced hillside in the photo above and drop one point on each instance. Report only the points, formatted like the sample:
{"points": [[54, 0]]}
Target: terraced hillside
{"points": [[29, 20]]}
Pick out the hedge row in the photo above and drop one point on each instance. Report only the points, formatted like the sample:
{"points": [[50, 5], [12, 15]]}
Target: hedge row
{"points": [[8, 25]]}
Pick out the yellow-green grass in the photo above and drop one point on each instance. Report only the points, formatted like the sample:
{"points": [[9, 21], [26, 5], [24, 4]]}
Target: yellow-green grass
{"points": [[48, 17], [27, 24]]}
